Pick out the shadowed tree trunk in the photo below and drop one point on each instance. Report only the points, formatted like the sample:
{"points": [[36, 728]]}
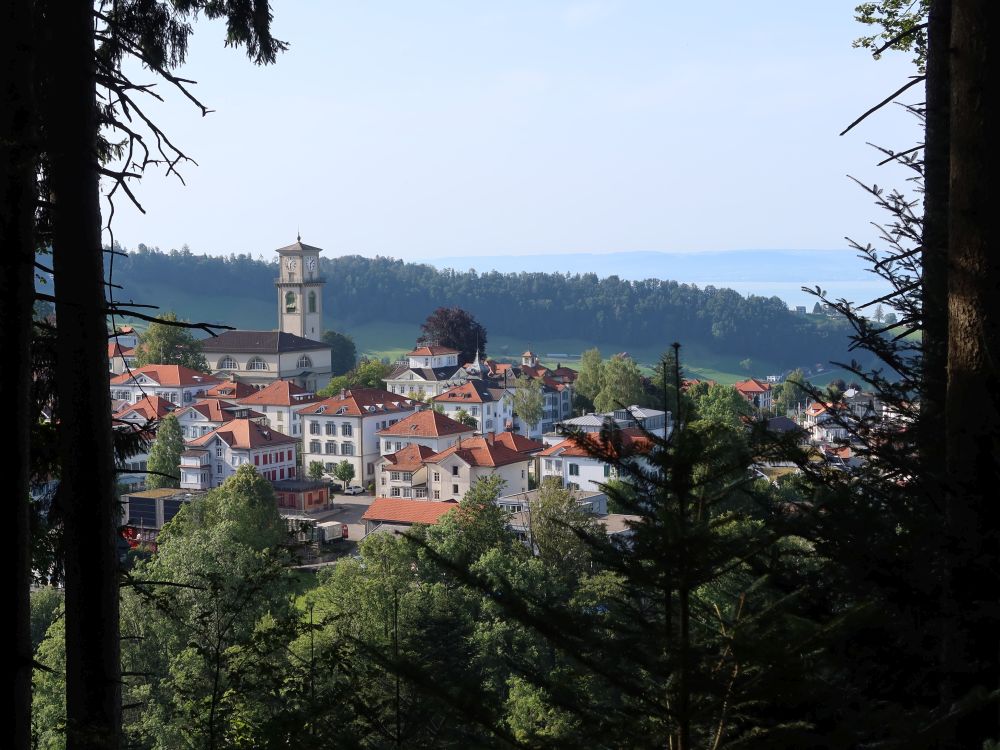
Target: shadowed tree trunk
{"points": [[972, 415], [18, 155], [87, 484]]}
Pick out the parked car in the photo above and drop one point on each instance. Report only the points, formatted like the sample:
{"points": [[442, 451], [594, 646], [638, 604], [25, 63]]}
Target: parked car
{"points": [[355, 490]]}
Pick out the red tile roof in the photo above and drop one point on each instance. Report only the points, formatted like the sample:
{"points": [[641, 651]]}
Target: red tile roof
{"points": [[360, 402], [394, 510], [473, 392], [233, 389], [244, 434], [149, 408], [576, 446], [219, 410], [117, 350], [279, 393], [426, 423], [168, 375], [431, 351], [518, 443], [481, 451], [752, 386], [410, 458]]}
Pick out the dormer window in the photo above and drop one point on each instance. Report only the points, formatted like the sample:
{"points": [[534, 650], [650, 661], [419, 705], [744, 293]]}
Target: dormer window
{"points": [[256, 364], [304, 361], [228, 363]]}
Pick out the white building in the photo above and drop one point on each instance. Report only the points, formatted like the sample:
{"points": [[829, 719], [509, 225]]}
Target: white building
{"points": [[201, 418], [427, 371], [176, 383], [452, 472], [492, 408], [280, 403], [345, 427], [427, 428], [572, 462], [211, 459]]}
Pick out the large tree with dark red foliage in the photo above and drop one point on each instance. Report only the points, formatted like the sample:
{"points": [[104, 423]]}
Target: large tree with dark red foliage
{"points": [[454, 327]]}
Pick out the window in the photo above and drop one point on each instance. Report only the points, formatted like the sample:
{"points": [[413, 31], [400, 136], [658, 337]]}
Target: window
{"points": [[311, 308], [437, 495], [347, 449], [548, 463], [421, 492], [574, 470], [394, 492], [346, 429], [437, 476], [383, 480], [388, 445], [454, 489], [228, 363], [314, 446], [407, 476], [454, 471], [331, 448], [407, 492], [371, 468], [314, 428], [328, 467], [399, 446], [218, 451], [607, 470], [331, 428], [394, 476], [290, 305], [256, 364], [304, 361], [218, 468]]}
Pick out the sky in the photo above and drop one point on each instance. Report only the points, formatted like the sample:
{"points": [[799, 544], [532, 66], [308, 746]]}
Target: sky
{"points": [[427, 129]]}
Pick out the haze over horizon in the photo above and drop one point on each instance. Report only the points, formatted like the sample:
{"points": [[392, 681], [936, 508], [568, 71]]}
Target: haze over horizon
{"points": [[590, 126]]}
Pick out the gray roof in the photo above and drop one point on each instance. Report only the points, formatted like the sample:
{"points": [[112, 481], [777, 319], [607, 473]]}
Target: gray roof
{"points": [[259, 342], [297, 248], [425, 373]]}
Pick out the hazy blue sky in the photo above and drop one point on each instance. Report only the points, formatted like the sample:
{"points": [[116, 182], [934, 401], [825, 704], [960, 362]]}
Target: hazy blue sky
{"points": [[420, 129]]}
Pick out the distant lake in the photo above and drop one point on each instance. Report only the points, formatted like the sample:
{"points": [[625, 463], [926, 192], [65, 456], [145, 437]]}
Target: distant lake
{"points": [[768, 273]]}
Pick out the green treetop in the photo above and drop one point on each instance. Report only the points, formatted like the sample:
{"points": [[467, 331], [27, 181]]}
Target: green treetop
{"points": [[165, 344], [528, 401], [165, 455]]}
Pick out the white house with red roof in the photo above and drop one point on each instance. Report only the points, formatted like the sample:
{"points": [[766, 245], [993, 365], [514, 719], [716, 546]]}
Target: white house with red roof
{"points": [[204, 416], [176, 383], [492, 407], [120, 357], [280, 402], [404, 473], [149, 409], [452, 472], [345, 428], [211, 459], [756, 392], [427, 371], [572, 462], [427, 427], [231, 390]]}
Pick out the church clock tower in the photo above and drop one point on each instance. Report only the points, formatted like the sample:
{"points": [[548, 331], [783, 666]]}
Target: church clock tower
{"points": [[300, 291]]}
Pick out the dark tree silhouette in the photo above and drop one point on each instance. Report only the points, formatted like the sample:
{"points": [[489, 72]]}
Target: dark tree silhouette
{"points": [[456, 328]]}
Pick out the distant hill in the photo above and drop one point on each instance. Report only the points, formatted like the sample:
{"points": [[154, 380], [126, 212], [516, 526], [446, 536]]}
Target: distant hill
{"points": [[387, 294]]}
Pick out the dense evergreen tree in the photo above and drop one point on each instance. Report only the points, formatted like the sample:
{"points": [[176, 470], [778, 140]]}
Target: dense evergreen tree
{"points": [[343, 352]]}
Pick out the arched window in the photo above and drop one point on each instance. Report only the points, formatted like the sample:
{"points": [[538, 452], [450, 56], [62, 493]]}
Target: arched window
{"points": [[304, 361], [228, 363], [256, 364], [290, 305], [312, 302]]}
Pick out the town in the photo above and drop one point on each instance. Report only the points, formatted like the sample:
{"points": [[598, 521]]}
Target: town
{"points": [[408, 452]]}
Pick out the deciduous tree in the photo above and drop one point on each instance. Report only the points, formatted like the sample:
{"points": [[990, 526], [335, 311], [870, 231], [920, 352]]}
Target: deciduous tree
{"points": [[164, 344], [528, 401], [455, 328], [165, 455]]}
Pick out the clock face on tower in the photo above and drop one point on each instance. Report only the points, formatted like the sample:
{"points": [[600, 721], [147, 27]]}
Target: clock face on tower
{"points": [[290, 264], [311, 264]]}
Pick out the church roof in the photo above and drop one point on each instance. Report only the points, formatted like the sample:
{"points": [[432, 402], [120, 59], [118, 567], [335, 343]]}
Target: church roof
{"points": [[259, 342], [298, 248]]}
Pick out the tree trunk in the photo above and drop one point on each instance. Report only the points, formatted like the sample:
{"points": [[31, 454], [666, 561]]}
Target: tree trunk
{"points": [[18, 159], [93, 672], [972, 414]]}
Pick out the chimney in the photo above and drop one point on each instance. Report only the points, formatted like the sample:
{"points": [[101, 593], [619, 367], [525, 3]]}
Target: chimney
{"points": [[490, 437], [343, 393]]}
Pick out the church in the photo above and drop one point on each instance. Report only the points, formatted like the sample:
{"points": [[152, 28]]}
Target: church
{"points": [[293, 352]]}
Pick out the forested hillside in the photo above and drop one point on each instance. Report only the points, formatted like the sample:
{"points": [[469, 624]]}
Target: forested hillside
{"points": [[239, 290]]}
